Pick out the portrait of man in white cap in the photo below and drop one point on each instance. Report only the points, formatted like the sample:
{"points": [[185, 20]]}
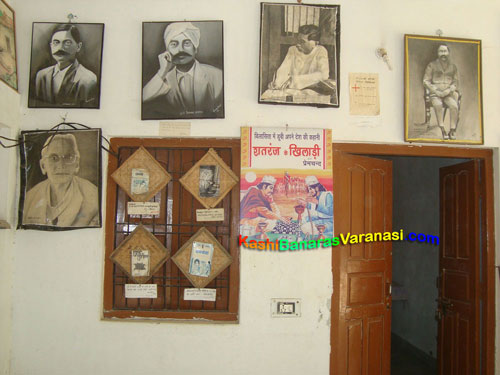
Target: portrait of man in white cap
{"points": [[183, 86], [319, 205], [258, 205]]}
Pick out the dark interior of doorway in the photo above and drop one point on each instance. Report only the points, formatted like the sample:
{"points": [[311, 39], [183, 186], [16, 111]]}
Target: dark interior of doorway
{"points": [[415, 265]]}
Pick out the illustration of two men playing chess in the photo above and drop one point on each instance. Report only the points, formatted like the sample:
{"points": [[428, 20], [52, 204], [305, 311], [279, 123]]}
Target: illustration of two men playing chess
{"points": [[290, 207]]}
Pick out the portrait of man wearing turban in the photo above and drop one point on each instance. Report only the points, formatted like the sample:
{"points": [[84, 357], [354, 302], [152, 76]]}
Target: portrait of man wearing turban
{"points": [[183, 87]]}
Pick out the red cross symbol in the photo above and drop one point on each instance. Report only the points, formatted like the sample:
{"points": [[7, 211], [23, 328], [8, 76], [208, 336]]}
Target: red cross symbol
{"points": [[356, 88]]}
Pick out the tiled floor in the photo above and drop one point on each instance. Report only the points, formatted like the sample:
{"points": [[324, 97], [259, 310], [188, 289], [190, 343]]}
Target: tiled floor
{"points": [[404, 362]]}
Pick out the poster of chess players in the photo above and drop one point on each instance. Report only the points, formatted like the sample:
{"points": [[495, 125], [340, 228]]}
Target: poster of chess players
{"points": [[443, 100], [60, 179], [299, 54], [65, 65], [286, 185]]}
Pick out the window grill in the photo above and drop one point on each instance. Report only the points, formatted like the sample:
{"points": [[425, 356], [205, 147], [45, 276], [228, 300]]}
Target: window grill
{"points": [[175, 225]]}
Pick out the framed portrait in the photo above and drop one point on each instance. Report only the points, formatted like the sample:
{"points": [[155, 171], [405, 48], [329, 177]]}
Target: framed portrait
{"points": [[66, 61], [8, 59], [60, 179], [299, 54], [443, 90], [182, 70]]}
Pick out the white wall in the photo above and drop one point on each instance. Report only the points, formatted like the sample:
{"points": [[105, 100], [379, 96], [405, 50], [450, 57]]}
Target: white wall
{"points": [[9, 127], [57, 277]]}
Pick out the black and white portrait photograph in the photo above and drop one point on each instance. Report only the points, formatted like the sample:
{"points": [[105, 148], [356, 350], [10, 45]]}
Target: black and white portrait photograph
{"points": [[209, 181], [182, 70], [65, 65], [60, 179], [299, 54], [443, 90]]}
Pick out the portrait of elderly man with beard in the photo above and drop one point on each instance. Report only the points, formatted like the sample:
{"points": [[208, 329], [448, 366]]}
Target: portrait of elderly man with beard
{"points": [[183, 87], [67, 83], [63, 199], [441, 79]]}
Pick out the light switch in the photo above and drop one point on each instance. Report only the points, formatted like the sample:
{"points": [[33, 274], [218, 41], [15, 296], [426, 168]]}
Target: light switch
{"points": [[285, 307]]}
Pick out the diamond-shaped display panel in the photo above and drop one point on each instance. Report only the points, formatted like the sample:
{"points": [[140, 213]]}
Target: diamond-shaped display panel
{"points": [[209, 180], [141, 176], [140, 255], [220, 259]]}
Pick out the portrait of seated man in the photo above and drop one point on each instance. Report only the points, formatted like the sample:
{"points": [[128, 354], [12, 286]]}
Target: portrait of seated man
{"points": [[63, 199], [307, 72], [68, 82], [441, 81], [257, 206], [184, 87]]}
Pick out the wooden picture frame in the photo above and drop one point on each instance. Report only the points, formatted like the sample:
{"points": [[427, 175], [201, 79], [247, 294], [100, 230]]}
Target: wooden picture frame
{"points": [[443, 90], [46, 164], [179, 225], [141, 239], [141, 160], [8, 54], [53, 47], [305, 32], [220, 260], [226, 179]]}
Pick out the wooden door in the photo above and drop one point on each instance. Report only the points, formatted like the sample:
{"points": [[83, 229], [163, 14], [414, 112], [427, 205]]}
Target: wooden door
{"points": [[459, 294], [362, 273]]}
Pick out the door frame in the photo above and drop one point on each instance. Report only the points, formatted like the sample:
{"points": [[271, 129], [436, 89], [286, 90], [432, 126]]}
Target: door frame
{"points": [[488, 235]]}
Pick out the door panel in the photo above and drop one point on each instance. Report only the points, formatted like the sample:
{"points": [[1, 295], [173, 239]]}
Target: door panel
{"points": [[360, 334], [459, 294]]}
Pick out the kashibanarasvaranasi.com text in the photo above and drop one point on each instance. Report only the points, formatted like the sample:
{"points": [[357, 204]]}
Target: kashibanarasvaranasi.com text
{"points": [[342, 239]]}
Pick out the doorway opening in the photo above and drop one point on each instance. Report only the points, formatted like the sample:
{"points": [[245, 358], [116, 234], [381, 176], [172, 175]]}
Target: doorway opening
{"points": [[362, 305], [415, 265]]}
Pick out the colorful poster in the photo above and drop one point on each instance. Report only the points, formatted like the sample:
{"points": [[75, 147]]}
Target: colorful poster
{"points": [[286, 189]]}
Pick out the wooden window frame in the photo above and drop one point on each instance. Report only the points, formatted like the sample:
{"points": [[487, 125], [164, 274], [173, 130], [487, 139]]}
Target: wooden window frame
{"points": [[230, 315]]}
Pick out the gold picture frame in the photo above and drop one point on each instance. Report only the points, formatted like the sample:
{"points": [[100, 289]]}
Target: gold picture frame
{"points": [[443, 90]]}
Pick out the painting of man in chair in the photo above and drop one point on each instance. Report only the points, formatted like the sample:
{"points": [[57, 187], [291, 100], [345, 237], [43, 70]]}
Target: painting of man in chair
{"points": [[443, 88]]}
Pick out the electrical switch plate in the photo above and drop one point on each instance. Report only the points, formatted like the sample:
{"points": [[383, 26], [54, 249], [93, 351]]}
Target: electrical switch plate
{"points": [[285, 307]]}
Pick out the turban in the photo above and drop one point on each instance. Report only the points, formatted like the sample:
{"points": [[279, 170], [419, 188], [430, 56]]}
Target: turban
{"points": [[268, 180], [311, 180], [186, 28]]}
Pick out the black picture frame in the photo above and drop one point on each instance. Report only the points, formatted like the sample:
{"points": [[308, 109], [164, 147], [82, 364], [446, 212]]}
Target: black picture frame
{"points": [[81, 86], [81, 206], [279, 35], [208, 78], [426, 80]]}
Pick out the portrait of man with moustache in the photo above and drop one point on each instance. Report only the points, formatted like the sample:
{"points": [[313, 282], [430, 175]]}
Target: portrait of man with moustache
{"points": [[182, 70], [443, 100], [70, 77]]}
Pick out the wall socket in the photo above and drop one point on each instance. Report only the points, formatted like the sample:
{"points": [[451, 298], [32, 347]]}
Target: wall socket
{"points": [[285, 307]]}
